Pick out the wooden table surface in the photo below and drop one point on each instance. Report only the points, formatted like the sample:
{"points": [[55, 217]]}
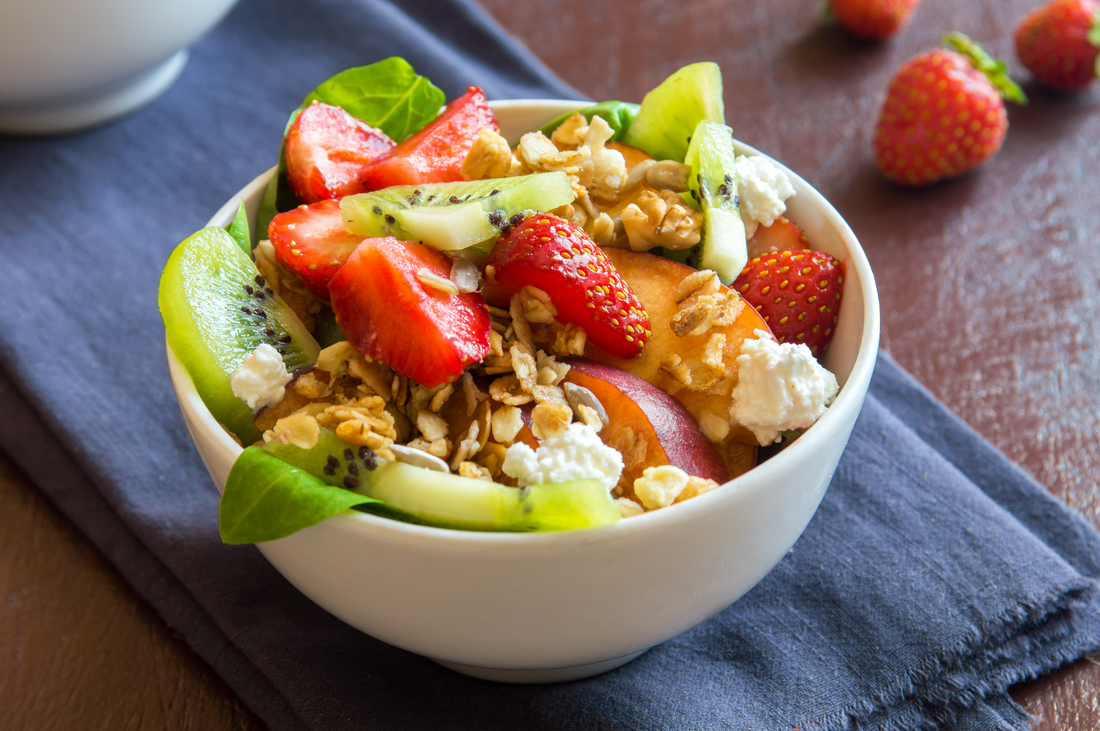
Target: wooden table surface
{"points": [[990, 289]]}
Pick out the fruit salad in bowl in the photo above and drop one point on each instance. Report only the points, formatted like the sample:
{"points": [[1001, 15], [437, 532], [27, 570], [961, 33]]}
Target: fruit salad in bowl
{"points": [[487, 381]]}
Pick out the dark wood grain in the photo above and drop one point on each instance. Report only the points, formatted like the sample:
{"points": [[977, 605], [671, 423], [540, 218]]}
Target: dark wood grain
{"points": [[78, 648], [990, 288]]}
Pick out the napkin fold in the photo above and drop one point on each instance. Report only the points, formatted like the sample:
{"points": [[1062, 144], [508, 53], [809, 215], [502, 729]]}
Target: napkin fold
{"points": [[934, 575]]}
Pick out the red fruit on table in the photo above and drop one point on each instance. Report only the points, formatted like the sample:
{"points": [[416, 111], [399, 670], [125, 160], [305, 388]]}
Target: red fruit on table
{"points": [[388, 308], [798, 293], [559, 258], [875, 19], [326, 151], [435, 154], [311, 241], [943, 114], [1059, 43]]}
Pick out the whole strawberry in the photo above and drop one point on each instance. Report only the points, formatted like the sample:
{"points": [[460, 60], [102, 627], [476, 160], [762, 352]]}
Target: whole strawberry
{"points": [[944, 113], [875, 19], [798, 293], [1059, 43]]}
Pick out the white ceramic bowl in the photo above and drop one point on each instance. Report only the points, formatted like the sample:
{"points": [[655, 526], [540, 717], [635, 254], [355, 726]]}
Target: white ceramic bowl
{"points": [[69, 64], [560, 606]]}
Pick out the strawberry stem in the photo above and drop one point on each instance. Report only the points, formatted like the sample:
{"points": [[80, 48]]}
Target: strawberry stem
{"points": [[1094, 37], [995, 70]]}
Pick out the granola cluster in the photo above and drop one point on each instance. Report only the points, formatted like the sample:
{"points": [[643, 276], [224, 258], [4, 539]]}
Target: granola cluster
{"points": [[704, 306], [637, 207]]}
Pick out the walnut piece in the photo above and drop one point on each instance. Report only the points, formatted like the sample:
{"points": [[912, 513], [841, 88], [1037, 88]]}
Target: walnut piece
{"points": [[661, 219]]}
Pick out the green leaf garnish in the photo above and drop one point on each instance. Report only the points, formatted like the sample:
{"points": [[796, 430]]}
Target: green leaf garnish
{"points": [[265, 498], [388, 95], [238, 229], [995, 70], [618, 116]]}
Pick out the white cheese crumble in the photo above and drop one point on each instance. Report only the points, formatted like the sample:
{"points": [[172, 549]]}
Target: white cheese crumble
{"points": [[261, 380], [575, 454], [763, 189], [779, 387]]}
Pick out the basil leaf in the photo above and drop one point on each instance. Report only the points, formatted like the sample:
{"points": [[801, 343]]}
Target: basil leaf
{"points": [[277, 197], [238, 229], [325, 330], [388, 95], [265, 498], [618, 116]]}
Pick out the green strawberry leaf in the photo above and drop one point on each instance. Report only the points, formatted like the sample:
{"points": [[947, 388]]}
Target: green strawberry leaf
{"points": [[995, 70], [1094, 37]]}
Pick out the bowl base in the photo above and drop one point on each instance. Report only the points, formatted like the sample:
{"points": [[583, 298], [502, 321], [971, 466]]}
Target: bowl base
{"points": [[81, 111], [548, 675]]}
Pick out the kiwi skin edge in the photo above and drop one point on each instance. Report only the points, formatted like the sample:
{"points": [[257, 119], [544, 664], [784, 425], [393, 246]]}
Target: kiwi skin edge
{"points": [[216, 310]]}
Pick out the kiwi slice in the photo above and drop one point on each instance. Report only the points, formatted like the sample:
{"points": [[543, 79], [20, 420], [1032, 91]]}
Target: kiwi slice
{"points": [[217, 309], [713, 183], [453, 216], [417, 495], [332, 459], [671, 112]]}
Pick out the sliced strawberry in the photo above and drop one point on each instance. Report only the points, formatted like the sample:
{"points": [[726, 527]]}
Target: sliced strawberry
{"points": [[435, 154], [311, 241], [798, 293], [782, 235], [557, 257], [389, 314], [326, 151]]}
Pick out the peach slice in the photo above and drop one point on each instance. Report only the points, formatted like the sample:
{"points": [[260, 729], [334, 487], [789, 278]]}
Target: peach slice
{"points": [[646, 425], [655, 281]]}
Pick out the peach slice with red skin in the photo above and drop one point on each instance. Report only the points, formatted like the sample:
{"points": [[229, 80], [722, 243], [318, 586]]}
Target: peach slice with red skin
{"points": [[646, 425], [655, 281]]}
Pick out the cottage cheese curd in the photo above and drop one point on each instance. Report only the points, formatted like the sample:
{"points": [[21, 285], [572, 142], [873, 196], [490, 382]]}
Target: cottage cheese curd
{"points": [[575, 454], [779, 387], [763, 188], [261, 379]]}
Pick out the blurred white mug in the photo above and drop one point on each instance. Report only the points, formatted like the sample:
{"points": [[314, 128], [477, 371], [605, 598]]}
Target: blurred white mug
{"points": [[70, 64]]}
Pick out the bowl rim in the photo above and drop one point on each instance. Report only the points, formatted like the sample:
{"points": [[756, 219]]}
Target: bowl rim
{"points": [[849, 399]]}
